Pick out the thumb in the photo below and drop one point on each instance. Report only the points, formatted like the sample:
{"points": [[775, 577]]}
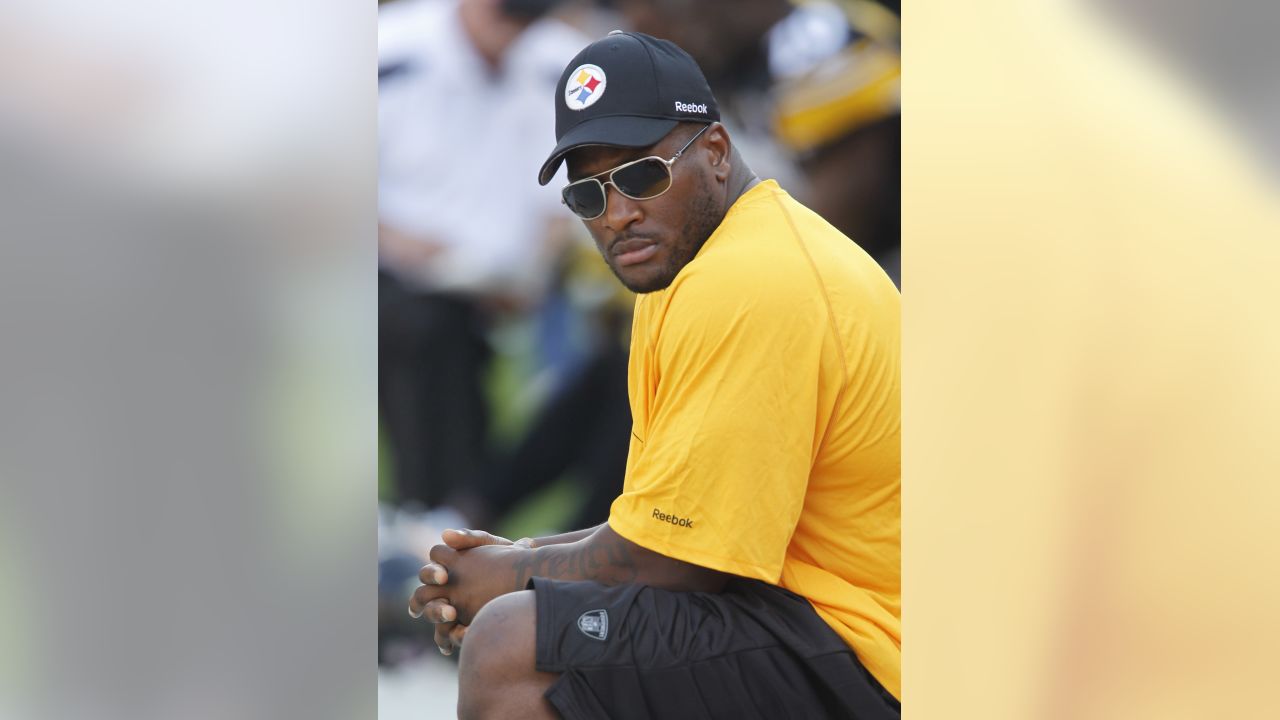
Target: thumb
{"points": [[463, 539]]}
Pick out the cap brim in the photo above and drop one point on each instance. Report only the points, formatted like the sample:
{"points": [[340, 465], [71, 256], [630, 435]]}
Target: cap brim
{"points": [[625, 131]]}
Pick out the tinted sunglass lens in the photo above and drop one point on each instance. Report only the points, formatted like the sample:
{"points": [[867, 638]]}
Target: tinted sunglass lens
{"points": [[644, 179], [586, 200]]}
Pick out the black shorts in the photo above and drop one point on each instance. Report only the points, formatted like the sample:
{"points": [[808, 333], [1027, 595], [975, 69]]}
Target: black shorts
{"points": [[752, 651]]}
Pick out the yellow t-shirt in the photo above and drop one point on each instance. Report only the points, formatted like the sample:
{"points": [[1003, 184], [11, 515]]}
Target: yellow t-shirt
{"points": [[765, 389]]}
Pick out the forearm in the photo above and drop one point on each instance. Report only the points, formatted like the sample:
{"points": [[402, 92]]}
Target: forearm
{"points": [[562, 538], [603, 556]]}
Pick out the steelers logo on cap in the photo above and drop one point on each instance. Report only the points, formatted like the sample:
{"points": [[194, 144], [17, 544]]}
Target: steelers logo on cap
{"points": [[585, 86]]}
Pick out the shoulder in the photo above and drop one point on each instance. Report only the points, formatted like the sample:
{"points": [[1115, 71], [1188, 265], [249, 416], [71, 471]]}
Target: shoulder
{"points": [[551, 40], [406, 27], [743, 286], [538, 57], [776, 263], [756, 257]]}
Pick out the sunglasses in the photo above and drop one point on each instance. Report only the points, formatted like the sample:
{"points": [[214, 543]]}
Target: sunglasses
{"points": [[642, 179]]}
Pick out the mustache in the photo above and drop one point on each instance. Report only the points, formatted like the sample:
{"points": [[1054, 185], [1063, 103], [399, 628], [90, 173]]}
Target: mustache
{"points": [[628, 236]]}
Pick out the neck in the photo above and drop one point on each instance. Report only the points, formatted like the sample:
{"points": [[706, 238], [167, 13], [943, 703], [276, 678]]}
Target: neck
{"points": [[741, 178]]}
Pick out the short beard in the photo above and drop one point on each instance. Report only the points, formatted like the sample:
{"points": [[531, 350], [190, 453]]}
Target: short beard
{"points": [[704, 217]]}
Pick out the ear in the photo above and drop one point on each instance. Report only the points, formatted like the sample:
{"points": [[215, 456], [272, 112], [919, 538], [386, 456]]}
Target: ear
{"points": [[719, 147]]}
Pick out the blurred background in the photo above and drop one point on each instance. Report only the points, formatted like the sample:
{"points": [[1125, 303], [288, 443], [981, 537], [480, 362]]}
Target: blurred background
{"points": [[190, 293], [502, 335]]}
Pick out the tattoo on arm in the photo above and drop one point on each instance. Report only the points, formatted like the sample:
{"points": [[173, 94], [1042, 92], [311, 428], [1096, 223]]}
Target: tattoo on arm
{"points": [[604, 558]]}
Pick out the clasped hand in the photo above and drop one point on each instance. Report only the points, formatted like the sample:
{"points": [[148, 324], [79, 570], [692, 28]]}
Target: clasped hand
{"points": [[464, 574]]}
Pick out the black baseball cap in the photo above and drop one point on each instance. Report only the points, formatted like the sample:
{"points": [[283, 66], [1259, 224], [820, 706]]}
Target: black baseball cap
{"points": [[627, 90]]}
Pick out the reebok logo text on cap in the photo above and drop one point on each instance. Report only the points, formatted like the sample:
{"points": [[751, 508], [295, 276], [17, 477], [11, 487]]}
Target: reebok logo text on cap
{"points": [[691, 107], [584, 87]]}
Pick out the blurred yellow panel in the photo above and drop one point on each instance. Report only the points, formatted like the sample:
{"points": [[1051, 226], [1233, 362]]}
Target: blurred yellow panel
{"points": [[1091, 403]]}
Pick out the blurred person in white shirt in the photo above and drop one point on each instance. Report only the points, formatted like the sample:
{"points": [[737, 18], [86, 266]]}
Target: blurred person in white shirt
{"points": [[464, 231]]}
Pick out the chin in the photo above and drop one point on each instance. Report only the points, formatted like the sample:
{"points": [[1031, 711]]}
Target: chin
{"points": [[645, 281]]}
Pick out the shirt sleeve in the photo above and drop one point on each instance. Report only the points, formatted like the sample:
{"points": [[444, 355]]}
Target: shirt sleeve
{"points": [[718, 475]]}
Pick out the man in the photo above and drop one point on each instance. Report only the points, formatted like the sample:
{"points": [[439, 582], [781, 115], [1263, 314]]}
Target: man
{"points": [[750, 568]]}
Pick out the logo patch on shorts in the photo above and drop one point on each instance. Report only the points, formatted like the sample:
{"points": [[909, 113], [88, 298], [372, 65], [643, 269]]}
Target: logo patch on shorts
{"points": [[594, 624]]}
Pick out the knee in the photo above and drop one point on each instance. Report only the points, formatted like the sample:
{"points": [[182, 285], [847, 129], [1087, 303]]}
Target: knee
{"points": [[499, 651], [502, 632]]}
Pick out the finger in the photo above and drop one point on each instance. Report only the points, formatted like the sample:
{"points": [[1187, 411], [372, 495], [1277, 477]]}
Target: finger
{"points": [[433, 574], [442, 554], [464, 539], [423, 595], [440, 611], [449, 637], [442, 639], [456, 633]]}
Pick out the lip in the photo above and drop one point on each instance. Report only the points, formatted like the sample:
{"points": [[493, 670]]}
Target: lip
{"points": [[633, 252]]}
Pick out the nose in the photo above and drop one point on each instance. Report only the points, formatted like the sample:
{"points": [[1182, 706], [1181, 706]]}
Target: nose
{"points": [[619, 210]]}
